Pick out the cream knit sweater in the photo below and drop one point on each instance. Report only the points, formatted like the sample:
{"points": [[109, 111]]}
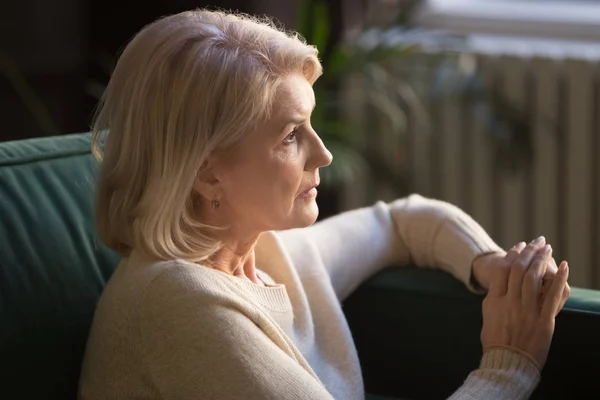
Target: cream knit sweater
{"points": [[177, 330]]}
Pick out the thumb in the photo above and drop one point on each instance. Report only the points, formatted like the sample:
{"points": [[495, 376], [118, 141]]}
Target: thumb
{"points": [[553, 299]]}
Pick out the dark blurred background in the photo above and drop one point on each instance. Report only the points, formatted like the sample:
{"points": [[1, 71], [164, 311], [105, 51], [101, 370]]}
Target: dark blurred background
{"points": [[51, 53]]}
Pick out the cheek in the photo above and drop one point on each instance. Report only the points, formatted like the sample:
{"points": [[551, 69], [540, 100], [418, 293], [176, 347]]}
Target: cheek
{"points": [[279, 181], [266, 182], [287, 176], [262, 183]]}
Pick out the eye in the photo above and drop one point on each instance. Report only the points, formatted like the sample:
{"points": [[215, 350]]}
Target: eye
{"points": [[291, 138]]}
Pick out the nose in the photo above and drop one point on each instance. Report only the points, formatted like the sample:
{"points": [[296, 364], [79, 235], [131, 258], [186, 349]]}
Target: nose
{"points": [[328, 157], [319, 155]]}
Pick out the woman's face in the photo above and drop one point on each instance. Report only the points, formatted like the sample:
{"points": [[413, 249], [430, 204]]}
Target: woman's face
{"points": [[268, 182]]}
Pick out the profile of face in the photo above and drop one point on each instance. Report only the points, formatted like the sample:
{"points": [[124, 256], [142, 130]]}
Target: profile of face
{"points": [[268, 181]]}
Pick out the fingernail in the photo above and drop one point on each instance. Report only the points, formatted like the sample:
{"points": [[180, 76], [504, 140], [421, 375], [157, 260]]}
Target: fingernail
{"points": [[519, 246], [547, 249], [538, 240]]}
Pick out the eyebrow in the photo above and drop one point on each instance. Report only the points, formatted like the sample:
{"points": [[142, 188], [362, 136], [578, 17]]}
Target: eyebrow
{"points": [[298, 121]]}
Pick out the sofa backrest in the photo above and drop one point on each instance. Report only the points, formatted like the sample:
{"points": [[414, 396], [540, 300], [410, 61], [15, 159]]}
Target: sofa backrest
{"points": [[52, 266]]}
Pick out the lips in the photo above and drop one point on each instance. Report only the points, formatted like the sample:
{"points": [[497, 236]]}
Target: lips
{"points": [[310, 192]]}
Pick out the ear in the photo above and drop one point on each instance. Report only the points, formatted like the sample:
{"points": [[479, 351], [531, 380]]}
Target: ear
{"points": [[206, 183]]}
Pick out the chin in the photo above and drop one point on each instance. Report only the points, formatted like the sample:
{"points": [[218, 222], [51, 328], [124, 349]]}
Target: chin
{"points": [[311, 214], [306, 216]]}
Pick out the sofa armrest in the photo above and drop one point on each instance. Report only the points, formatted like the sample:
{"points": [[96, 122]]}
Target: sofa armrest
{"points": [[417, 335]]}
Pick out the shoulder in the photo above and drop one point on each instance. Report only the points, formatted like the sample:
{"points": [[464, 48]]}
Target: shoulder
{"points": [[177, 282], [186, 297], [278, 250]]}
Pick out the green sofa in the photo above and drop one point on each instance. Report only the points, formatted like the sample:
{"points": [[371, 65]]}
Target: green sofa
{"points": [[417, 330]]}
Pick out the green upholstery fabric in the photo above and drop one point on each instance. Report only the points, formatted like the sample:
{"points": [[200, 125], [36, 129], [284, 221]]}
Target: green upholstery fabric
{"points": [[416, 330], [52, 268]]}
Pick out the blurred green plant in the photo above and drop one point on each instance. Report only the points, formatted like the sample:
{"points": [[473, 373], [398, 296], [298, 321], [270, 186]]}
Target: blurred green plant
{"points": [[392, 62], [382, 92]]}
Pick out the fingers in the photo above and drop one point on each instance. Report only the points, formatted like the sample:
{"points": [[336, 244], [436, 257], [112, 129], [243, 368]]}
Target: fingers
{"points": [[532, 281], [550, 273], [498, 286], [552, 269], [565, 296], [512, 254], [554, 298], [520, 265], [547, 284]]}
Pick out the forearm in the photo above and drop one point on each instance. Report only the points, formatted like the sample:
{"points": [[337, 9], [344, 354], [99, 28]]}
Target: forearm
{"points": [[439, 235], [413, 230]]}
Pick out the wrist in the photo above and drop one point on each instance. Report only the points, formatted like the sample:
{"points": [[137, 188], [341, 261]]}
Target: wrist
{"points": [[482, 268], [523, 353]]}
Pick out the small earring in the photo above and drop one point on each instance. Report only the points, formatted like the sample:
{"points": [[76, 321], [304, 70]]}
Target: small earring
{"points": [[215, 203]]}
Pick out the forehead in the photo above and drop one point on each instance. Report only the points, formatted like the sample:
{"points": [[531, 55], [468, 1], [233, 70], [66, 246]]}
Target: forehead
{"points": [[294, 96]]}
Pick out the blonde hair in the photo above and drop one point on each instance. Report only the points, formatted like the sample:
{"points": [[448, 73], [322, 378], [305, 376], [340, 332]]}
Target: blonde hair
{"points": [[186, 86]]}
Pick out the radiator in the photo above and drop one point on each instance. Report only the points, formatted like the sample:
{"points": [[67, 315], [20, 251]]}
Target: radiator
{"points": [[557, 194]]}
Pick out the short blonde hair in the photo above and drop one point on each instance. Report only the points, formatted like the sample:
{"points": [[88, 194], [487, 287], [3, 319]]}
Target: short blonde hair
{"points": [[186, 86]]}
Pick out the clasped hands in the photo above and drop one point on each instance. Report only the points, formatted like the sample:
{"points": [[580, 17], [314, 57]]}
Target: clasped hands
{"points": [[525, 292]]}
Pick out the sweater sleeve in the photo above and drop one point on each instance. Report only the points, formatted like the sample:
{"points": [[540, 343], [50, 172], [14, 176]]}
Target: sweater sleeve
{"points": [[356, 244], [429, 233], [197, 348], [502, 375]]}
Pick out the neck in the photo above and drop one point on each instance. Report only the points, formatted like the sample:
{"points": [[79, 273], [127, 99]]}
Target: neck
{"points": [[237, 258]]}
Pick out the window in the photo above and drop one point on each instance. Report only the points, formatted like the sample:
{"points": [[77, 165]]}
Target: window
{"points": [[562, 19]]}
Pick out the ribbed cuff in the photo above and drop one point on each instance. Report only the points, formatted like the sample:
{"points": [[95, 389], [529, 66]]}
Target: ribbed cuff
{"points": [[505, 372], [503, 375], [514, 349], [503, 358]]}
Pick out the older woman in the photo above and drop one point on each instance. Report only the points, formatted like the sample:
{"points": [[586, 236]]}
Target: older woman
{"points": [[207, 189]]}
